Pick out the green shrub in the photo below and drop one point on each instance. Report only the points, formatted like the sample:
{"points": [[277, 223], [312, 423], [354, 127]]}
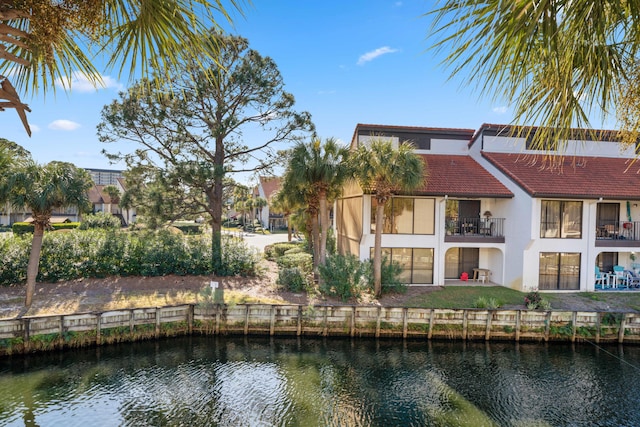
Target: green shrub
{"points": [[238, 259], [292, 279], [27, 227], [100, 253], [276, 250], [188, 227], [296, 250], [65, 226], [14, 253], [302, 260], [390, 272], [343, 276], [484, 302], [100, 220], [22, 227]]}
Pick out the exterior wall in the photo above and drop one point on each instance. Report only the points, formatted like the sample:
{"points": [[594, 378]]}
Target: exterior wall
{"points": [[348, 224], [447, 146], [522, 227], [506, 144], [518, 214], [515, 263]]}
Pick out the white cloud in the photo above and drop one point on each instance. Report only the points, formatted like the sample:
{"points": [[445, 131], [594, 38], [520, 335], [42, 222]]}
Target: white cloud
{"points": [[81, 83], [500, 110], [34, 128], [398, 4], [370, 56], [327, 92], [66, 125]]}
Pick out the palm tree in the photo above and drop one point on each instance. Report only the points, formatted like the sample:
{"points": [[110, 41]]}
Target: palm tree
{"points": [[280, 203], [249, 206], [383, 171], [554, 61], [43, 189], [318, 171], [259, 203], [43, 43]]}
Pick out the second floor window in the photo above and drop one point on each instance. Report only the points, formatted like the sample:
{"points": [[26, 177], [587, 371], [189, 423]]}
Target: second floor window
{"points": [[405, 215], [561, 219]]}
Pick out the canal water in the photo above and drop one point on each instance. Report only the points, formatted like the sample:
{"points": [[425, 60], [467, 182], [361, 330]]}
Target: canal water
{"points": [[256, 381]]}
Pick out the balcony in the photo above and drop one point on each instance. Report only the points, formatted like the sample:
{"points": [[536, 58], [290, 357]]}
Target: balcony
{"points": [[480, 230], [618, 233]]}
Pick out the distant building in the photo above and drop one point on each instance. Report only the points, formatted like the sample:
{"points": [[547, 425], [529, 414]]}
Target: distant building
{"points": [[99, 199], [105, 176]]}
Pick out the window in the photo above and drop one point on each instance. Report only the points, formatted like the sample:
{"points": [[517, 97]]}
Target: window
{"points": [[405, 215], [559, 271], [561, 219], [416, 263]]}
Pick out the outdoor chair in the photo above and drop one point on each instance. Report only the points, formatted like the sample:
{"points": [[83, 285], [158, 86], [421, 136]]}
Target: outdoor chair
{"points": [[633, 280], [620, 278], [602, 279]]}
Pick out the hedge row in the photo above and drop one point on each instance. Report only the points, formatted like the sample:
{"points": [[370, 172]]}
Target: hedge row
{"points": [[27, 227], [101, 253]]}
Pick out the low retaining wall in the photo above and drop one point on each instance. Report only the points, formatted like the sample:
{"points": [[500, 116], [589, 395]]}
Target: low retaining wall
{"points": [[74, 330]]}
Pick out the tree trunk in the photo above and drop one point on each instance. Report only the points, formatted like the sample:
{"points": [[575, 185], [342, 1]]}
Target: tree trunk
{"points": [[288, 219], [216, 226], [34, 262], [324, 228], [377, 252]]}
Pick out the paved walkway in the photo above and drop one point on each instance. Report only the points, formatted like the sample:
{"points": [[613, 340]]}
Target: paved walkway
{"points": [[259, 240]]}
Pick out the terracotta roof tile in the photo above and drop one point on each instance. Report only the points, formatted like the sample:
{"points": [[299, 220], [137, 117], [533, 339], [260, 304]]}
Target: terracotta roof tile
{"points": [[575, 177], [460, 176], [270, 185]]}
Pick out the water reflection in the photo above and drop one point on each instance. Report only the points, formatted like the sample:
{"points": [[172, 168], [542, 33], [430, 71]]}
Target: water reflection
{"points": [[290, 382]]}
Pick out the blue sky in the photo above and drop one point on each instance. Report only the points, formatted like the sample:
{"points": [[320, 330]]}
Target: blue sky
{"points": [[346, 62]]}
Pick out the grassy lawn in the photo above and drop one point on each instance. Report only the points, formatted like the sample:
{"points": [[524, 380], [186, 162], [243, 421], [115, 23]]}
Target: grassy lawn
{"points": [[465, 297]]}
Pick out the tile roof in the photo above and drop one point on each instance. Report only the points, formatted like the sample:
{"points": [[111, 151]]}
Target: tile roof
{"points": [[270, 184], [460, 176], [575, 177]]}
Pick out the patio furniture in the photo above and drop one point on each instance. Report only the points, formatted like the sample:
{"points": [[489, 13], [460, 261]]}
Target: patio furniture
{"points": [[481, 274], [602, 279], [620, 277], [633, 280]]}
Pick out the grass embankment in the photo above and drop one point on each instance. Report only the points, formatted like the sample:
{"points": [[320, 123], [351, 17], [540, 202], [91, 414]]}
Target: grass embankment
{"points": [[457, 297]]}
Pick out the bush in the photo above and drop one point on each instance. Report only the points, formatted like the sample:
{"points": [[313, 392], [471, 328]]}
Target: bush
{"points": [[484, 302], [302, 260], [533, 300], [22, 228], [27, 227], [188, 227], [276, 250], [102, 220], [292, 279], [343, 276], [100, 253], [296, 250], [238, 259], [390, 277]]}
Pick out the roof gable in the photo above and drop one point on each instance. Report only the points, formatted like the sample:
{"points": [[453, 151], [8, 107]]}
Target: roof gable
{"points": [[269, 184]]}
